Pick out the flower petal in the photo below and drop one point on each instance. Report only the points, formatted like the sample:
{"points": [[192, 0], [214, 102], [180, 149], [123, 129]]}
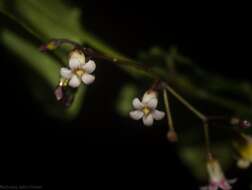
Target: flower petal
{"points": [[152, 103], [137, 104], [148, 120], [213, 187], [89, 67], [87, 78], [158, 115], [66, 73], [78, 54], [74, 63], [74, 81], [148, 96], [243, 164], [136, 115], [225, 185]]}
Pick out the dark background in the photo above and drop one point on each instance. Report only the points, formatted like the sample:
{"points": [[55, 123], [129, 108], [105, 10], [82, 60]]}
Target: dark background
{"points": [[100, 144]]}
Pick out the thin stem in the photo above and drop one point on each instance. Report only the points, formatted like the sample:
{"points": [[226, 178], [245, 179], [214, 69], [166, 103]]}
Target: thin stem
{"points": [[147, 70], [186, 103], [141, 67], [120, 61], [136, 65], [70, 42], [168, 111], [207, 139], [197, 113]]}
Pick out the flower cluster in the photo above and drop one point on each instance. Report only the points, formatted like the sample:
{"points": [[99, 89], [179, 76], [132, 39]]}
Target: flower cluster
{"points": [[81, 66]]}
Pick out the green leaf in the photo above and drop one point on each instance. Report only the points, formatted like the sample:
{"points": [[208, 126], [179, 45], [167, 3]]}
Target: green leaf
{"points": [[52, 19], [43, 20], [47, 19], [190, 79], [38, 61], [195, 159], [46, 67], [124, 100]]}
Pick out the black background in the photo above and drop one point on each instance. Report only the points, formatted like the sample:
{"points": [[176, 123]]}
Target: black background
{"points": [[108, 150]]}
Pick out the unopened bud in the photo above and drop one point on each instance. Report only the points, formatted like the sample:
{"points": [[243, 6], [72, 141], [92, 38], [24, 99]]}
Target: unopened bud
{"points": [[172, 136], [149, 95], [245, 124], [59, 93], [234, 121], [51, 45]]}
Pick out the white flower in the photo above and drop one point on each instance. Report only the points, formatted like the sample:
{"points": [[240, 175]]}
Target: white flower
{"points": [[79, 71], [216, 177], [146, 109]]}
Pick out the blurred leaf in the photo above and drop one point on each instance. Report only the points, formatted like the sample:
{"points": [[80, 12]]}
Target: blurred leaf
{"points": [[48, 19], [124, 101], [40, 62], [185, 76], [52, 19], [43, 20], [47, 69], [195, 159], [193, 153]]}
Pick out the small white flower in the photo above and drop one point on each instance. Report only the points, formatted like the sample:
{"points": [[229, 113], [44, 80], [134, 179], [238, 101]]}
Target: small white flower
{"points": [[146, 109], [216, 177], [79, 71]]}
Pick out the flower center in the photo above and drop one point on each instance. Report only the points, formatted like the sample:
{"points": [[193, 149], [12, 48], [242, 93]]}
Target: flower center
{"points": [[79, 72], [146, 110]]}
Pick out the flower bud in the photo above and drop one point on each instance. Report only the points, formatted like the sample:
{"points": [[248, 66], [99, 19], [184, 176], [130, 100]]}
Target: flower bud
{"points": [[148, 95], [51, 45], [172, 136]]}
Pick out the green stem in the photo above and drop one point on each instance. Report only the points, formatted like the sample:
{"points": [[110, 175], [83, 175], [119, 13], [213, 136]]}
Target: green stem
{"points": [[138, 66], [146, 70], [117, 60], [207, 140], [128, 62], [168, 111], [186, 103], [123, 62]]}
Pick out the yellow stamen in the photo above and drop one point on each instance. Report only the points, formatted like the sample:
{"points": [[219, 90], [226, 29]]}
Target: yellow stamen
{"points": [[79, 72], [63, 82], [146, 110], [51, 46]]}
